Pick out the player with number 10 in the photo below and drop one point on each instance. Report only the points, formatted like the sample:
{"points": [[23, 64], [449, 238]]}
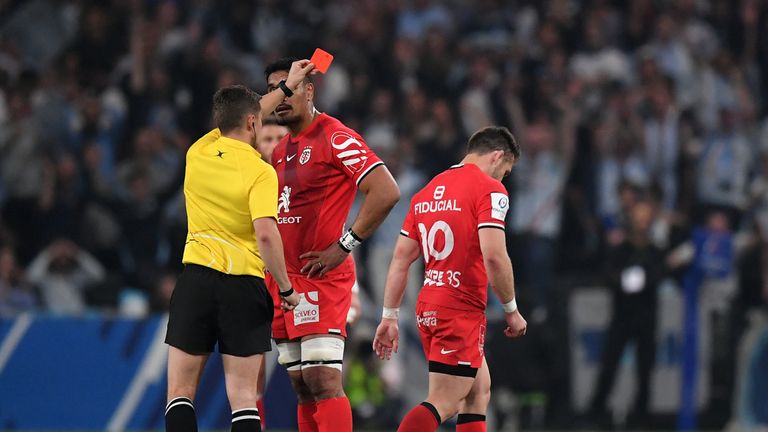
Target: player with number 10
{"points": [[456, 223]]}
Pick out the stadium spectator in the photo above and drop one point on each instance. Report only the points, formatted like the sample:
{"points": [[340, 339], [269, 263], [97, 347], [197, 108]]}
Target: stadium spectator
{"points": [[16, 295], [63, 272], [633, 271]]}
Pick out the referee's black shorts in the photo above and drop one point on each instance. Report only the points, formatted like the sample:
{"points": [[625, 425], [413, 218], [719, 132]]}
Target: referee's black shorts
{"points": [[208, 306]]}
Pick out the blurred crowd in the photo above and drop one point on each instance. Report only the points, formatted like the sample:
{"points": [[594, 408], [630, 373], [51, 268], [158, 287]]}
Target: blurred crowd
{"points": [[660, 104]]}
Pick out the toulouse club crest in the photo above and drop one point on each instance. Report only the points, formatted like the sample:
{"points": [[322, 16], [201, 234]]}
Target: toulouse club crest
{"points": [[305, 155]]}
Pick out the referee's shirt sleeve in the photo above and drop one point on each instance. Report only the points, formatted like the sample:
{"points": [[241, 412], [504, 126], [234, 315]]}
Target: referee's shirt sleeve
{"points": [[262, 198]]}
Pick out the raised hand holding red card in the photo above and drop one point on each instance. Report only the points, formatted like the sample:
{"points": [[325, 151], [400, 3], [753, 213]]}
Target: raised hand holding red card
{"points": [[322, 60]]}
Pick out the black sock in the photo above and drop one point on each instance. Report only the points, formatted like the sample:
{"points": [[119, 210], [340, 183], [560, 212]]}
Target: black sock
{"points": [[246, 420], [180, 416]]}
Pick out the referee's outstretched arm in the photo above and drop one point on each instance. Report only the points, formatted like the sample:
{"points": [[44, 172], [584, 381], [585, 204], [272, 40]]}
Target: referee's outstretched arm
{"points": [[299, 70]]}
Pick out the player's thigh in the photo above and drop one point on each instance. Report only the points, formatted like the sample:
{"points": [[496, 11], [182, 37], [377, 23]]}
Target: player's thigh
{"points": [[479, 395], [321, 364], [241, 375], [447, 391], [184, 371], [244, 316], [289, 356]]}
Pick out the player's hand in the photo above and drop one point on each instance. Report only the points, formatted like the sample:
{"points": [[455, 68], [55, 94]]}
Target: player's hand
{"points": [[321, 262], [386, 340], [299, 70], [516, 324], [288, 303]]}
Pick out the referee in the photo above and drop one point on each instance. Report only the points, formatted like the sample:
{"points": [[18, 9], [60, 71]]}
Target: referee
{"points": [[231, 201]]}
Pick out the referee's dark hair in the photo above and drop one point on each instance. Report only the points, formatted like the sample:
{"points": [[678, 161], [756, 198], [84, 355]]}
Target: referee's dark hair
{"points": [[280, 65], [231, 104], [493, 138]]}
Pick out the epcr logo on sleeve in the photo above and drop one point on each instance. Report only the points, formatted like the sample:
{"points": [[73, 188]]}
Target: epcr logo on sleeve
{"points": [[499, 205]]}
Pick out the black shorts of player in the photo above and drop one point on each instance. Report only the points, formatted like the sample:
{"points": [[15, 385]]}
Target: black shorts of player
{"points": [[208, 306]]}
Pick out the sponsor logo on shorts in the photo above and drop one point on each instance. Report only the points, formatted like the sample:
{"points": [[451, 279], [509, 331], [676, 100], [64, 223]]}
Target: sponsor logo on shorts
{"points": [[427, 319], [307, 311], [444, 351], [481, 340]]}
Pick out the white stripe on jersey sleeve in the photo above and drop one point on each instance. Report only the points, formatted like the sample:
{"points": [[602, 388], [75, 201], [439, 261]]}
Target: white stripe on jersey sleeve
{"points": [[490, 225], [365, 173]]}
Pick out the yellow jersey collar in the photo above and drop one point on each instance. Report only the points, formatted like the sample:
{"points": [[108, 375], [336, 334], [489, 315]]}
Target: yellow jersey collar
{"points": [[238, 143]]}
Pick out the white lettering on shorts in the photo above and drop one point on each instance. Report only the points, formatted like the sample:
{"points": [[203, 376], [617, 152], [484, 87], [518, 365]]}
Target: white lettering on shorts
{"points": [[427, 319], [307, 311], [481, 340]]}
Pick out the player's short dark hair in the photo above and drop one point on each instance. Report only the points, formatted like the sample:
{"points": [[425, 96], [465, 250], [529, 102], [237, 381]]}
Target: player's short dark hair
{"points": [[282, 65], [493, 138], [231, 104]]}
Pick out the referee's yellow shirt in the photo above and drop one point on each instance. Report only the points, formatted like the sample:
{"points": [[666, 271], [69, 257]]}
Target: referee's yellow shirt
{"points": [[227, 185]]}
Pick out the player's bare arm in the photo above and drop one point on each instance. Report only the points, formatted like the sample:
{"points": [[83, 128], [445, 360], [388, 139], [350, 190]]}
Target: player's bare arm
{"points": [[387, 334], [499, 268], [299, 70], [381, 194], [271, 248]]}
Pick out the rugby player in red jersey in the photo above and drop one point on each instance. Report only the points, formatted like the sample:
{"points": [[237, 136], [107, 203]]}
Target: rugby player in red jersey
{"points": [[456, 223], [320, 166]]}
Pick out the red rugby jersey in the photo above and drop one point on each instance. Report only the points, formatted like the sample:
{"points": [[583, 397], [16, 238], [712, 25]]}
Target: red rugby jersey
{"points": [[444, 217], [318, 173]]}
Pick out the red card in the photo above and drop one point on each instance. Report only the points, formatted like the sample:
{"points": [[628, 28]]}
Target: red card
{"points": [[322, 60]]}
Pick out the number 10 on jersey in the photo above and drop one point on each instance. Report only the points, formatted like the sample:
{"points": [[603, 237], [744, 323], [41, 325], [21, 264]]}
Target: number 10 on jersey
{"points": [[430, 251]]}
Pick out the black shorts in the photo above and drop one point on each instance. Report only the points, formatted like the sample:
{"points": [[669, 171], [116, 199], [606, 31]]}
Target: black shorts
{"points": [[208, 306]]}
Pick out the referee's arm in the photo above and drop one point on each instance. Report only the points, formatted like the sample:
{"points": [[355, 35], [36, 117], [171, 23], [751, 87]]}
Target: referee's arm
{"points": [[271, 248], [299, 70]]}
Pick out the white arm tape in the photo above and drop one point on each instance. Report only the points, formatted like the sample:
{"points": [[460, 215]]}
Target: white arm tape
{"points": [[349, 241], [509, 307], [390, 313]]}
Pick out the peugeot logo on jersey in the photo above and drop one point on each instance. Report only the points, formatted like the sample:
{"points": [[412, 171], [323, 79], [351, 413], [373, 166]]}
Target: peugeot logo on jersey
{"points": [[305, 155], [285, 200]]}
